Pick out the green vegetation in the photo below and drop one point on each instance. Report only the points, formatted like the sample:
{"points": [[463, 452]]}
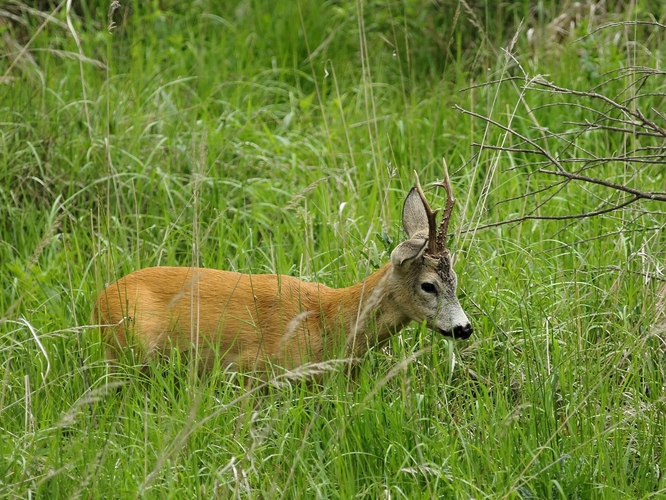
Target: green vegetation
{"points": [[280, 136]]}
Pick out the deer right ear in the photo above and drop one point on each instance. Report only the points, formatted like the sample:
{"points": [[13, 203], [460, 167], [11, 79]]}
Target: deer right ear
{"points": [[414, 217], [408, 251]]}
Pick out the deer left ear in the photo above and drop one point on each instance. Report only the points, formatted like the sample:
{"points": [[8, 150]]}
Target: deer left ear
{"points": [[414, 218], [407, 251]]}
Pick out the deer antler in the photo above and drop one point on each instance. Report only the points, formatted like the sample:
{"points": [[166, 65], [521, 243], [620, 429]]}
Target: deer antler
{"points": [[437, 237], [446, 218]]}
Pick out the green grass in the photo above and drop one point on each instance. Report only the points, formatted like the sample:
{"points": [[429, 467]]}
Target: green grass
{"points": [[213, 140]]}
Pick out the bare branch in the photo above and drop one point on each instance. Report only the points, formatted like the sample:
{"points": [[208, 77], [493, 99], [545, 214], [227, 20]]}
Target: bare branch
{"points": [[529, 141], [556, 217], [560, 170], [622, 23], [619, 187], [595, 95], [627, 119]]}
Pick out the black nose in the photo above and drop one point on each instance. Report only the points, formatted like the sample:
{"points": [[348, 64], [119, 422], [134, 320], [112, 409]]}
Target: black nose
{"points": [[459, 332], [462, 332]]}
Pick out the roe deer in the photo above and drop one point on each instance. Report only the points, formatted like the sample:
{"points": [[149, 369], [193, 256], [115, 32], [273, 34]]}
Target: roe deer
{"points": [[251, 321]]}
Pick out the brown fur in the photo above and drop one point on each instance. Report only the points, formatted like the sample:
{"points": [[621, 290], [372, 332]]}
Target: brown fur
{"points": [[248, 320]]}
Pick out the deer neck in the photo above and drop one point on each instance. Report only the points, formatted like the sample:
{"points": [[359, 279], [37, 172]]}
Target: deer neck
{"points": [[366, 313]]}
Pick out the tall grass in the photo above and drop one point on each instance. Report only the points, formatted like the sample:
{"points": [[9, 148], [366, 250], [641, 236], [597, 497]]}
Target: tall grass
{"points": [[217, 136]]}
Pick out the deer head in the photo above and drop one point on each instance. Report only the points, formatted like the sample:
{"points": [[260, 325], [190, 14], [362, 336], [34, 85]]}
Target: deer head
{"points": [[425, 282]]}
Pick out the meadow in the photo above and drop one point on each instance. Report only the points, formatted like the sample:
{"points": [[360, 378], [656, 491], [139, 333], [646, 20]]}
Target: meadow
{"points": [[282, 137]]}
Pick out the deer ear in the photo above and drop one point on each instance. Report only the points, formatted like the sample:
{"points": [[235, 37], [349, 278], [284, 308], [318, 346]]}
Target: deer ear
{"points": [[414, 218], [408, 250]]}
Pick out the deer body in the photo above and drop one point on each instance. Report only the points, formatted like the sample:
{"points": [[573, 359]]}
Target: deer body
{"points": [[246, 319], [252, 321]]}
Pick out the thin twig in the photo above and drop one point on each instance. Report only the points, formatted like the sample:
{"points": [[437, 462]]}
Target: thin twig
{"points": [[621, 23], [557, 217]]}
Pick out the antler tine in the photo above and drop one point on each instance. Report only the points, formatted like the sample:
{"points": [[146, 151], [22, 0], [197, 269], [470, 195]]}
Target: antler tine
{"points": [[432, 218], [446, 217]]}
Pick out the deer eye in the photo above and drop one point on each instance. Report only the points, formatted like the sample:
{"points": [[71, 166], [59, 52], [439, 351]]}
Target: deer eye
{"points": [[428, 288]]}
